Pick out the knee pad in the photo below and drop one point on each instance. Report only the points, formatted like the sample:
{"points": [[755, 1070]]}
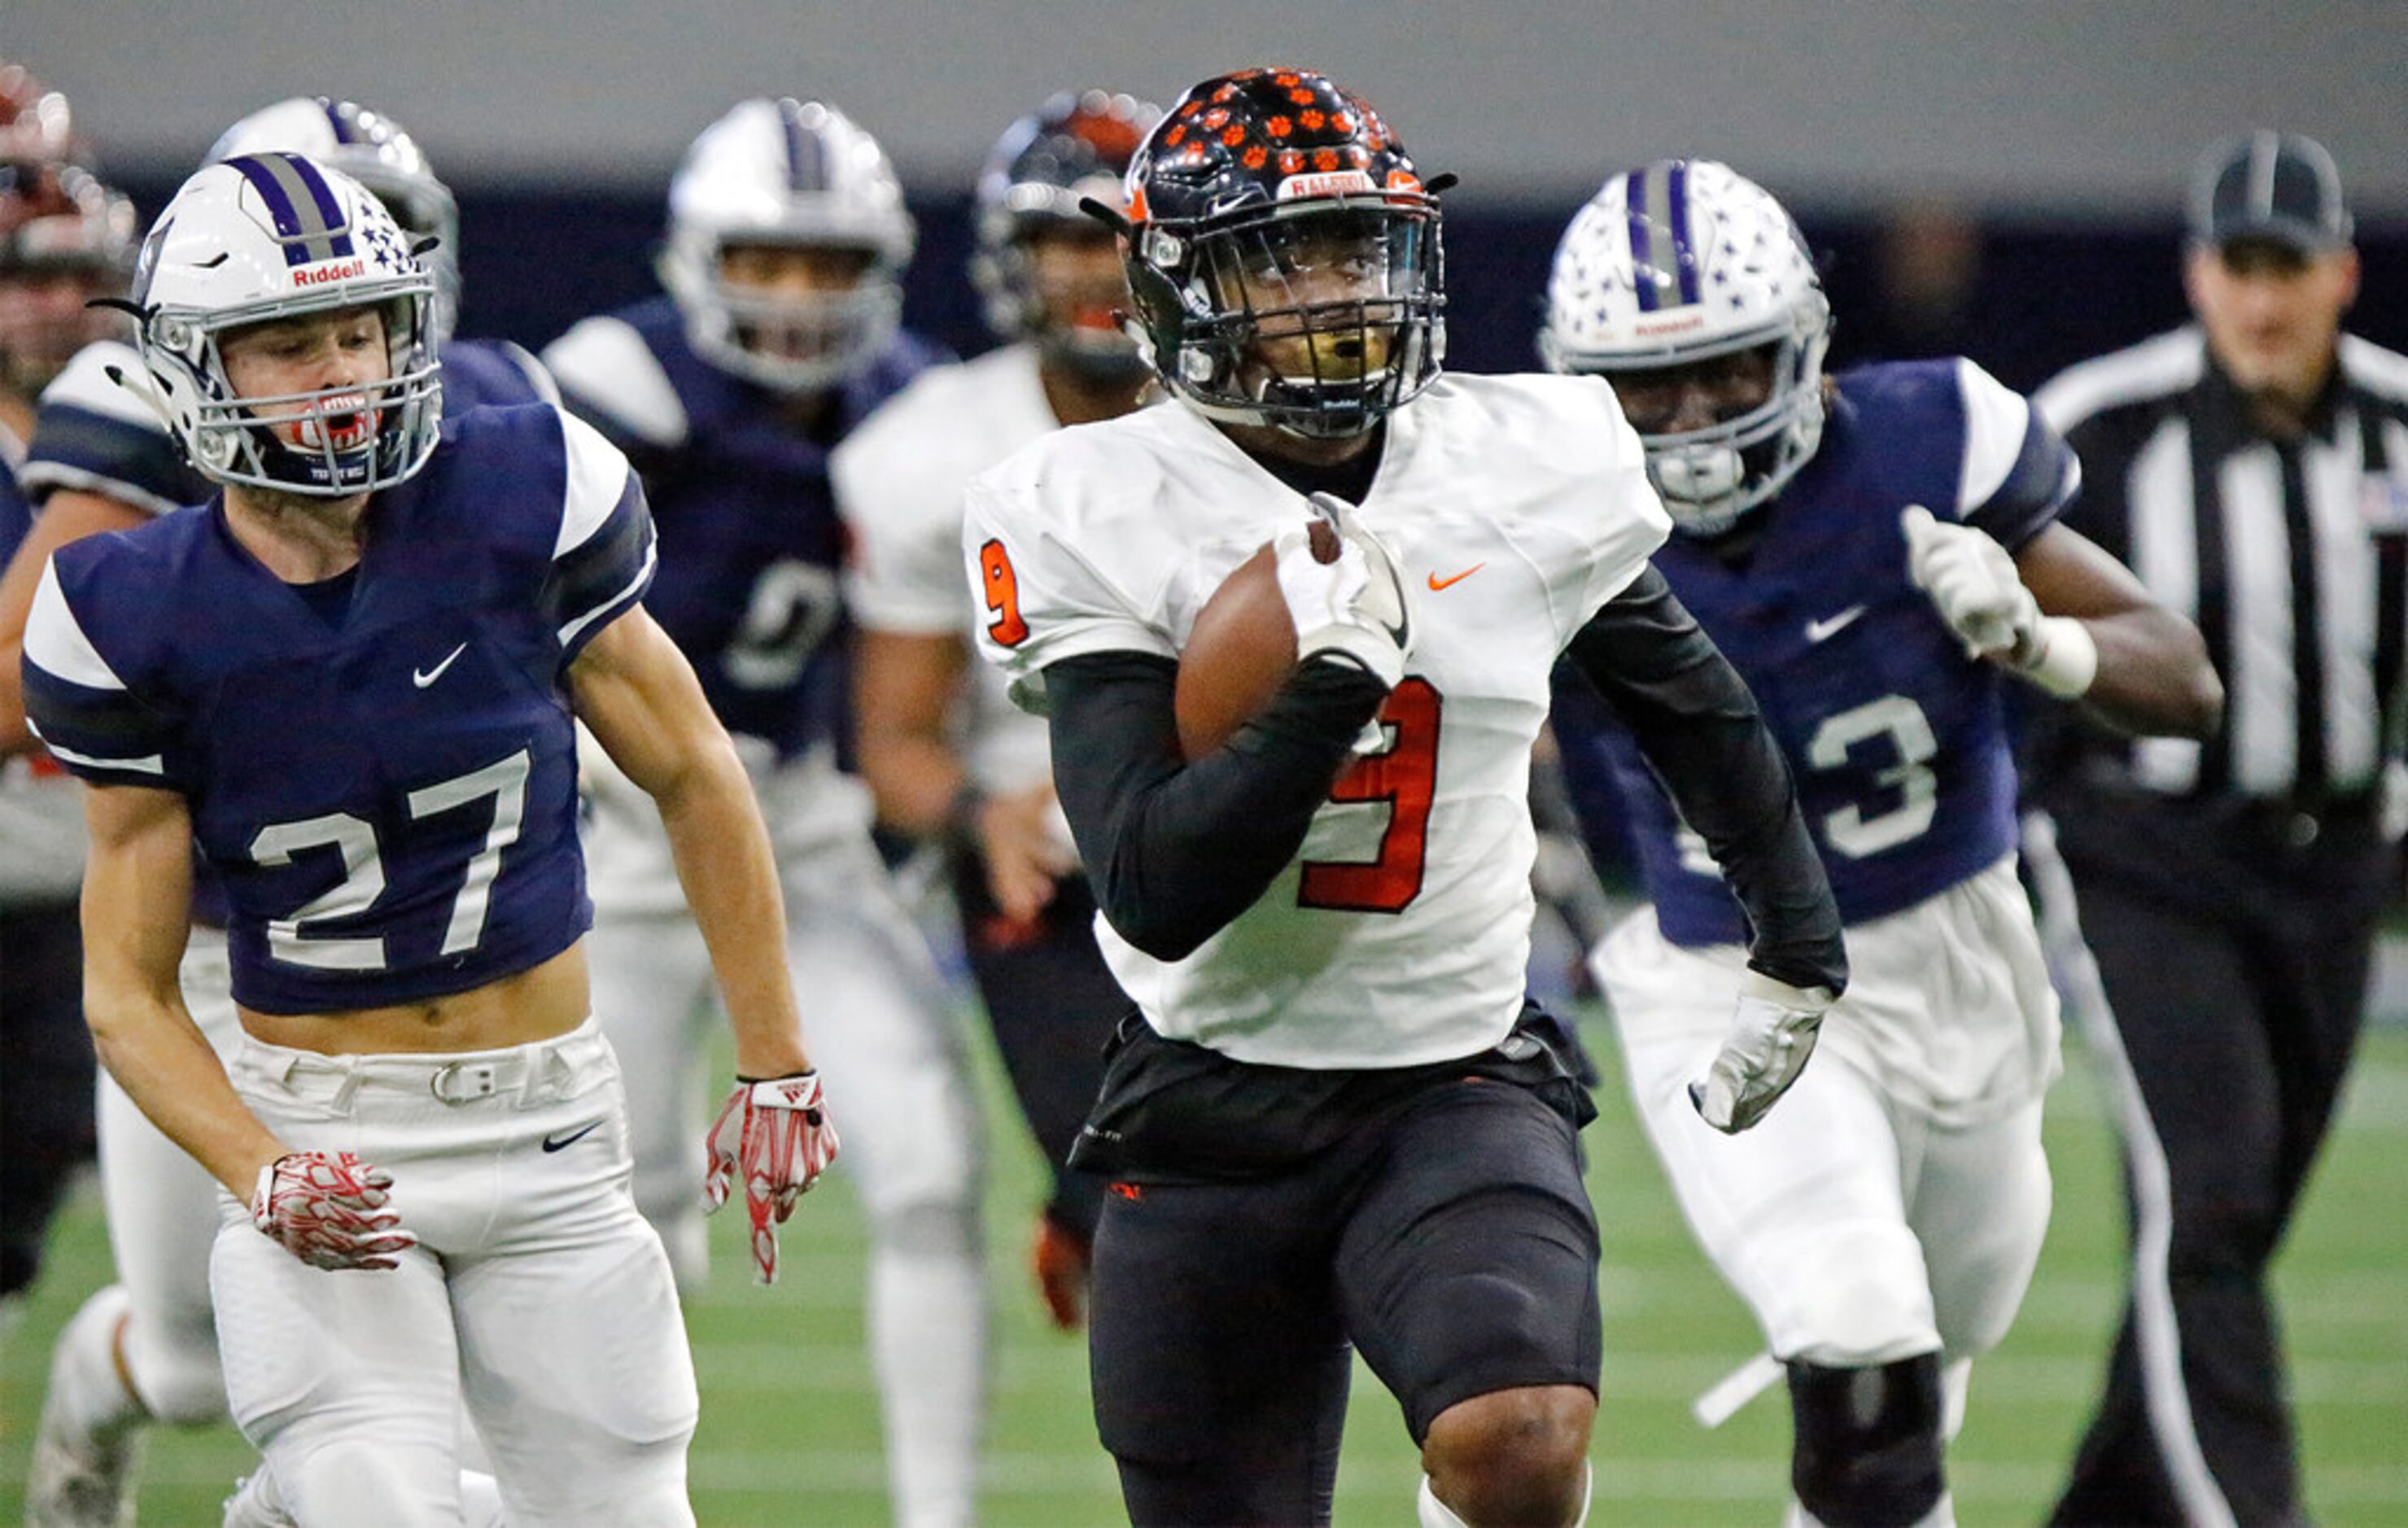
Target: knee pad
{"points": [[1867, 1450]]}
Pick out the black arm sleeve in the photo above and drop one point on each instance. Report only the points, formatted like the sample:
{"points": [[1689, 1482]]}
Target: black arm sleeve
{"points": [[1175, 850], [1697, 725]]}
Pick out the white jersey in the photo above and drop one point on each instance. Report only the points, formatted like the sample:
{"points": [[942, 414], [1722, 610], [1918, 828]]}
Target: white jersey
{"points": [[899, 480], [1399, 934]]}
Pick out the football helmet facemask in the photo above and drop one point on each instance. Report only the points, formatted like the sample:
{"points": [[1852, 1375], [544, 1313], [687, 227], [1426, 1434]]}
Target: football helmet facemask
{"points": [[262, 237], [65, 238], [1075, 147], [373, 150], [1683, 261], [787, 175], [1283, 256]]}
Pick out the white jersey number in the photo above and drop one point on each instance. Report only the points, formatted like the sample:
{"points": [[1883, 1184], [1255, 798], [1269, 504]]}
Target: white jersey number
{"points": [[505, 780], [793, 607], [1898, 718]]}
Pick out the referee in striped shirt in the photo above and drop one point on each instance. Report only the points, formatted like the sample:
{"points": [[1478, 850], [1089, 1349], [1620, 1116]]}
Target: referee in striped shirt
{"points": [[2251, 467]]}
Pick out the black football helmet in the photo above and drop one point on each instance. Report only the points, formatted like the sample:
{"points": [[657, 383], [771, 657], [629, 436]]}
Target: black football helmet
{"points": [[1077, 145], [1283, 256]]}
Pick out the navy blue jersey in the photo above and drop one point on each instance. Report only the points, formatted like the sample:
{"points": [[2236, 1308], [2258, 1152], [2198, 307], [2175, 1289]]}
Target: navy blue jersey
{"points": [[751, 545], [1896, 740], [94, 436], [387, 790], [15, 515]]}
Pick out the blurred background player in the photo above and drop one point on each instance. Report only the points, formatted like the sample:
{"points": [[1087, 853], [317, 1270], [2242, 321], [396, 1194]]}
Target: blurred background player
{"points": [[1331, 1123], [781, 330], [103, 458], [948, 756], [420, 1136], [2252, 468], [65, 238], [1883, 1222]]}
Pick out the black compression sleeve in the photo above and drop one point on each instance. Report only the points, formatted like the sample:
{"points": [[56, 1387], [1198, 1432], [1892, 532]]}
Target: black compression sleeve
{"points": [[1697, 725], [1175, 850]]}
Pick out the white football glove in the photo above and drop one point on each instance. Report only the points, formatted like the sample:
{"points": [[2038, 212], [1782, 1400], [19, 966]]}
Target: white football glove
{"points": [[1771, 1033], [1354, 605], [777, 1134], [1974, 584], [328, 1209]]}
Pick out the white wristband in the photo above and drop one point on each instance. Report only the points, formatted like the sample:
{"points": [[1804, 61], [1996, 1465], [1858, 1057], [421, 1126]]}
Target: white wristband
{"points": [[2065, 658]]}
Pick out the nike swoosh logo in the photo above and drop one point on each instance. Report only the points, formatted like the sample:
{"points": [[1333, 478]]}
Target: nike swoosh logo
{"points": [[1818, 631], [556, 1143], [1437, 583], [423, 678]]}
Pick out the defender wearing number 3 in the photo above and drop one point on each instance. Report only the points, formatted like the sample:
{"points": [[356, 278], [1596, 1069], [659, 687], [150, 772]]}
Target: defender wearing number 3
{"points": [[1332, 1120], [1878, 556], [351, 680]]}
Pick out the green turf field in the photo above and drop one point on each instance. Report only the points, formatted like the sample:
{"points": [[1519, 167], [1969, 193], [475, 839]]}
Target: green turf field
{"points": [[789, 1432]]}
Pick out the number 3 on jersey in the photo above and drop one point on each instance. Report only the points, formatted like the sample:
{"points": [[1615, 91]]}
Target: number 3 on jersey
{"points": [[1405, 777]]}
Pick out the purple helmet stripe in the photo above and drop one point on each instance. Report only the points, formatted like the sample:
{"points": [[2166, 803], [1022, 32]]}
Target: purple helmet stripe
{"points": [[1684, 259], [310, 222], [806, 155], [1643, 239]]}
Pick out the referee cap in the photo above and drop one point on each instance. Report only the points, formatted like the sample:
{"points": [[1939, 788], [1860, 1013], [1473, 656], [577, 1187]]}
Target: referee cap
{"points": [[2270, 185]]}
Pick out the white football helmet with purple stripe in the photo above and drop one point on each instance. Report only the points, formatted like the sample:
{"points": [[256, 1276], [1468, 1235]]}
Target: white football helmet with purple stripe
{"points": [[794, 174], [260, 237], [1683, 260]]}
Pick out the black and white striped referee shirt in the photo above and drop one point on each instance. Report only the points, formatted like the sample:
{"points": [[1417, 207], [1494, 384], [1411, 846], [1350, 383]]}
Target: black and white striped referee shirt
{"points": [[2292, 556]]}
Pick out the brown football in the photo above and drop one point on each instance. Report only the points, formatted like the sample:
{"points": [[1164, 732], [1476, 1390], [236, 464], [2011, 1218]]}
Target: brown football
{"points": [[1241, 646]]}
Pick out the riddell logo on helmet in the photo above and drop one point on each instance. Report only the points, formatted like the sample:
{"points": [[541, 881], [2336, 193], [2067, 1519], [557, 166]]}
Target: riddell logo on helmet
{"points": [[1330, 183], [331, 270], [1667, 326]]}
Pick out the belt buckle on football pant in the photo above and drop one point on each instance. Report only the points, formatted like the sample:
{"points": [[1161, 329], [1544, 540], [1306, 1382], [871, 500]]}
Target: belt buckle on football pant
{"points": [[465, 1082]]}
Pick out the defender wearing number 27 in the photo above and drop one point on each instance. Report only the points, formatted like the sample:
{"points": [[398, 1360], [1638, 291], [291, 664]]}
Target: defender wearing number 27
{"points": [[350, 679], [1333, 1120]]}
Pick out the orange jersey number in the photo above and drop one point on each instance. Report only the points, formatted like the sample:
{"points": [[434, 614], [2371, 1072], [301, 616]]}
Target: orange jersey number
{"points": [[1405, 777], [1002, 595]]}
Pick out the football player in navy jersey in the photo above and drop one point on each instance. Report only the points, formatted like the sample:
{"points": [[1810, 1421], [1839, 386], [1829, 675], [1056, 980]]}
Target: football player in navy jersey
{"points": [[1878, 555], [101, 458], [350, 679], [780, 333]]}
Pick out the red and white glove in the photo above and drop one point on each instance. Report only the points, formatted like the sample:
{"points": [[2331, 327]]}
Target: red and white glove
{"points": [[778, 1134], [328, 1209]]}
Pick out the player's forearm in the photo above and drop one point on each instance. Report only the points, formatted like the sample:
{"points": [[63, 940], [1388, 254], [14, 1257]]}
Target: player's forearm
{"points": [[730, 878], [2154, 679], [159, 1056], [915, 778], [15, 736], [1695, 723], [1174, 852]]}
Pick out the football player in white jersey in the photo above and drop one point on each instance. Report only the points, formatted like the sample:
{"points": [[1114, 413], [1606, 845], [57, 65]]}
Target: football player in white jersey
{"points": [[1329, 1123], [101, 458], [65, 237], [779, 332], [1857, 547], [420, 1137], [950, 759]]}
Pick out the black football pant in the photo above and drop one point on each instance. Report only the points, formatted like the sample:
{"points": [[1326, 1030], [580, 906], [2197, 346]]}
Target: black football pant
{"points": [[46, 1078], [2235, 959], [1052, 1003]]}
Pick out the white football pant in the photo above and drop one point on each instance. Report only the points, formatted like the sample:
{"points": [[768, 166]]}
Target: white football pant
{"points": [[884, 1031], [537, 1291], [1894, 1201]]}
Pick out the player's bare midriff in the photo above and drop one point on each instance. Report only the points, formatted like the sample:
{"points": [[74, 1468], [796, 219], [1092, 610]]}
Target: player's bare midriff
{"points": [[535, 1003]]}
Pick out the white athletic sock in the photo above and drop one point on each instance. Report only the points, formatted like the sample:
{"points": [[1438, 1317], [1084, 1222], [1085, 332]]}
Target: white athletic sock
{"points": [[927, 1343], [1435, 1513], [87, 1396]]}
